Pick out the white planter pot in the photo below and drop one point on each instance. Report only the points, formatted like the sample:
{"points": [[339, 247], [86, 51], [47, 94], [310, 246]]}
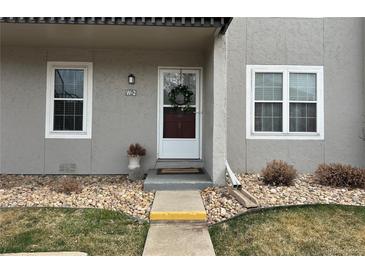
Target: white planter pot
{"points": [[134, 162]]}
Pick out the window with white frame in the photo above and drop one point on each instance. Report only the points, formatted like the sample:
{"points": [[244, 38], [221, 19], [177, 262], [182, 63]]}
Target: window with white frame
{"points": [[284, 102], [69, 96]]}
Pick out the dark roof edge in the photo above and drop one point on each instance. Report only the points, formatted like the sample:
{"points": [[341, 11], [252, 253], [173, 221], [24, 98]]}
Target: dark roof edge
{"points": [[226, 25], [217, 22]]}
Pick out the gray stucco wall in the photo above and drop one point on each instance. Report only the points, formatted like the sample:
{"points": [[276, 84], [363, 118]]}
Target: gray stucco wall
{"points": [[214, 110], [22, 110], [363, 82], [208, 116], [117, 120], [334, 43], [0, 109], [220, 109]]}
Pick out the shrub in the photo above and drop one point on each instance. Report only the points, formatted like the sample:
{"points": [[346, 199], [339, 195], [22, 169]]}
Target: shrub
{"points": [[340, 175], [136, 150], [67, 185], [278, 172]]}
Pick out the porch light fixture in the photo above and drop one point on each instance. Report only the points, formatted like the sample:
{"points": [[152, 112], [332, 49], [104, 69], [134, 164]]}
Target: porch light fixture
{"points": [[131, 79]]}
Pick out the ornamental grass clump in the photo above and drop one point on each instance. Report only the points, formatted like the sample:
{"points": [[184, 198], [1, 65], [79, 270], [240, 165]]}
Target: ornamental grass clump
{"points": [[67, 185], [136, 150], [278, 173], [339, 175]]}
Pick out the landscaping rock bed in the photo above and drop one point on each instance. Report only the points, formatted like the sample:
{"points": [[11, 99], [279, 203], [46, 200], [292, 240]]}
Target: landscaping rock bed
{"points": [[304, 191], [108, 192], [219, 204]]}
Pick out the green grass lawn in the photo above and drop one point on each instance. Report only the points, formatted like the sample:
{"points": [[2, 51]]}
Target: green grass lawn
{"points": [[298, 230], [94, 231]]}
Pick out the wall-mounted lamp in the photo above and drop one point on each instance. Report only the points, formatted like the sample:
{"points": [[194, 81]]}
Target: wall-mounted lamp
{"points": [[131, 79]]}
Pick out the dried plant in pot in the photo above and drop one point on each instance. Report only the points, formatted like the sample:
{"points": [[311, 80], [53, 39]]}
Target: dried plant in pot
{"points": [[135, 152]]}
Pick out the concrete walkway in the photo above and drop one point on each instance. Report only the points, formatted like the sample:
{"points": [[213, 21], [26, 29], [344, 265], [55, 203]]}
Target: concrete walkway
{"points": [[178, 226], [178, 239]]}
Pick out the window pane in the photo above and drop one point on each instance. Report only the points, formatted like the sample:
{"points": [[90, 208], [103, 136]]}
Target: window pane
{"points": [[268, 86], [303, 117], [59, 107], [311, 125], [69, 83], [69, 107], [69, 122], [302, 86], [58, 122], [78, 108], [78, 122], [269, 117], [68, 115]]}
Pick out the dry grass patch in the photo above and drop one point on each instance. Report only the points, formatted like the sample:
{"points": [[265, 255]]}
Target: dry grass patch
{"points": [[67, 185], [94, 231], [299, 230]]}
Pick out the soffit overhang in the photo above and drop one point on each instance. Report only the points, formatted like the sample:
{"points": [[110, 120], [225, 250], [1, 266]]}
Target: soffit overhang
{"points": [[220, 23]]}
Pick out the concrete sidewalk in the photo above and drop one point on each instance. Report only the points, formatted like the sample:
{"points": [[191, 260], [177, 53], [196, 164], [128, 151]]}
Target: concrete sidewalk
{"points": [[178, 226], [178, 239]]}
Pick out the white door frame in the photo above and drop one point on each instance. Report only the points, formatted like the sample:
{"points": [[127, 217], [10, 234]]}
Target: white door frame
{"points": [[160, 109]]}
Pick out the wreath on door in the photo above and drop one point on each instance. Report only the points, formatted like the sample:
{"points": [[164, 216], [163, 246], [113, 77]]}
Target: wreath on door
{"points": [[181, 96]]}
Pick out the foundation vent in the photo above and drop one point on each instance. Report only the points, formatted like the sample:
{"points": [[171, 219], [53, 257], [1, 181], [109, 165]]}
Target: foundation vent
{"points": [[67, 168]]}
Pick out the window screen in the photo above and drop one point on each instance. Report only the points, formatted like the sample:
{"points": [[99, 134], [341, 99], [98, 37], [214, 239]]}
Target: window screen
{"points": [[303, 106], [268, 101], [68, 100]]}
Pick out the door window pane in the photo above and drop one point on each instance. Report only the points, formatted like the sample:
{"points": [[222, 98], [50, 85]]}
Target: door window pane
{"points": [[268, 117], [303, 117], [268, 86], [69, 83], [302, 86], [189, 79], [172, 79], [178, 124]]}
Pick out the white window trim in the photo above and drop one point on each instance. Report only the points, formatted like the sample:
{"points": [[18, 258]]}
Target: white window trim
{"points": [[87, 109], [285, 135]]}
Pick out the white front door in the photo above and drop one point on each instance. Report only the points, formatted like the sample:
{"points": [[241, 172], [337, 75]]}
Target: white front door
{"points": [[179, 131]]}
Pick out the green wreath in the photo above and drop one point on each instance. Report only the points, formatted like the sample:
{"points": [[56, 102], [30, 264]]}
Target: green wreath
{"points": [[181, 95]]}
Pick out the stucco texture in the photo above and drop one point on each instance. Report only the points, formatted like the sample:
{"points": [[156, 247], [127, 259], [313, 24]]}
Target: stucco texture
{"points": [[334, 43], [118, 120]]}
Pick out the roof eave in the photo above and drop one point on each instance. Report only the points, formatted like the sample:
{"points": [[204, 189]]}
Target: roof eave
{"points": [[221, 23]]}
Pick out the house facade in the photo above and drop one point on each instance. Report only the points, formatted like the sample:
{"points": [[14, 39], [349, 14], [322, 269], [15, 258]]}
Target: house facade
{"points": [[75, 92]]}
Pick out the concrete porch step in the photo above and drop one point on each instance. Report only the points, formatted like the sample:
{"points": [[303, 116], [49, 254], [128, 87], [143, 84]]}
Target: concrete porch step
{"points": [[155, 181], [178, 206], [179, 163]]}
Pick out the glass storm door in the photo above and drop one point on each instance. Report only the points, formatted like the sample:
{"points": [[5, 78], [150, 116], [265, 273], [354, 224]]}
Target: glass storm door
{"points": [[179, 131]]}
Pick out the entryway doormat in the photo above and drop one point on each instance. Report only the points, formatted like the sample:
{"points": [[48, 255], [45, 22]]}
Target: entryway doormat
{"points": [[189, 170]]}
